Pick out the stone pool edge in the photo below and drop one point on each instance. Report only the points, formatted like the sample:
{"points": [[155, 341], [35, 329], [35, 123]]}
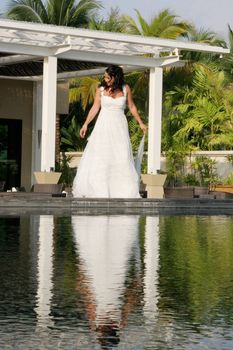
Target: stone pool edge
{"points": [[69, 204]]}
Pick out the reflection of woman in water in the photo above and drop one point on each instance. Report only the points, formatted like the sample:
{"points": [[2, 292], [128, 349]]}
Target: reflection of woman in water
{"points": [[104, 245]]}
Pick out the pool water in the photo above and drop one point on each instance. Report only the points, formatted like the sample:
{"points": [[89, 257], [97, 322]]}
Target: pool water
{"points": [[116, 282]]}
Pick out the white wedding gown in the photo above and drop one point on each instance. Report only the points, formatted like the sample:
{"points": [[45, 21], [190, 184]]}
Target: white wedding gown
{"points": [[107, 166]]}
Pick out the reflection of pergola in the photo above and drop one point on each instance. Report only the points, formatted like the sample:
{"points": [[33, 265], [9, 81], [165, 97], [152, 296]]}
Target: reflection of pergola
{"points": [[40, 52]]}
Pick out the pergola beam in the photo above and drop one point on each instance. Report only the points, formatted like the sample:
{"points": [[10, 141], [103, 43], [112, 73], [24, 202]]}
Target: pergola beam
{"points": [[25, 49], [107, 58], [13, 59], [73, 74], [171, 61]]}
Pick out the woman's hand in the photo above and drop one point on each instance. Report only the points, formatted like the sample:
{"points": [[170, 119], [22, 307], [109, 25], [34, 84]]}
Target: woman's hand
{"points": [[143, 127], [83, 131]]}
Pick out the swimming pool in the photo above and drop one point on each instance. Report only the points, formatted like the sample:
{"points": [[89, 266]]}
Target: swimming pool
{"points": [[116, 281]]}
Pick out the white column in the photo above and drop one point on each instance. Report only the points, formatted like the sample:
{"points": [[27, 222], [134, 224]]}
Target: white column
{"points": [[36, 127], [155, 119], [49, 113]]}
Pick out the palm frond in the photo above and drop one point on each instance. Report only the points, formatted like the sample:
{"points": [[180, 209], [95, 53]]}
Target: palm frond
{"points": [[145, 28], [131, 25], [113, 23], [230, 38], [85, 90], [83, 11], [27, 10]]}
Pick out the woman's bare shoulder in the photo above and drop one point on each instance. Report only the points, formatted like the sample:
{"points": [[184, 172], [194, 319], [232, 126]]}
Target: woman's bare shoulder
{"points": [[99, 89]]}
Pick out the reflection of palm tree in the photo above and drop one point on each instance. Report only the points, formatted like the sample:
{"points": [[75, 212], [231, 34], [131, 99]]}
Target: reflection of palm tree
{"points": [[104, 245]]}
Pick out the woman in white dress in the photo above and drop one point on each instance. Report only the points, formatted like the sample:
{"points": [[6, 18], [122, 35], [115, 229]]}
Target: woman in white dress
{"points": [[107, 165]]}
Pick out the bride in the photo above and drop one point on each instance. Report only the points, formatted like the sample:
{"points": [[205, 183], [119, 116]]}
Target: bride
{"points": [[107, 167]]}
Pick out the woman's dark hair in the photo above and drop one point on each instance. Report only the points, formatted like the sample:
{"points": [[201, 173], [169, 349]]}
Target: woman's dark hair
{"points": [[117, 73]]}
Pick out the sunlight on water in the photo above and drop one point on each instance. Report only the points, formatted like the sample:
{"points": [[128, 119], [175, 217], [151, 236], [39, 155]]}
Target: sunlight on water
{"points": [[116, 282]]}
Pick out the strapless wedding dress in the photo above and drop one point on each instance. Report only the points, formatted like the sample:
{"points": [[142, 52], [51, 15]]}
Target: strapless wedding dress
{"points": [[107, 166]]}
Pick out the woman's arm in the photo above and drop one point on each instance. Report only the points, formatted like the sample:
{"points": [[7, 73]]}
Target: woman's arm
{"points": [[133, 109], [92, 113]]}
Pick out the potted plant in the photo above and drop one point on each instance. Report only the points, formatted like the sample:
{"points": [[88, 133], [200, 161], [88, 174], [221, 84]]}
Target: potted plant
{"points": [[67, 173]]}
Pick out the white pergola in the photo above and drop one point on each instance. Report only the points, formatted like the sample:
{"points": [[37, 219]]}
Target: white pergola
{"points": [[26, 42]]}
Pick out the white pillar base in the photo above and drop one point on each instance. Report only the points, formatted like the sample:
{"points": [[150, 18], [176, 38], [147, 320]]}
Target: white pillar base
{"points": [[154, 185]]}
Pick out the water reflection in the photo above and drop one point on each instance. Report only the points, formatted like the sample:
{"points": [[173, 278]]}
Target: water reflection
{"points": [[116, 282], [108, 247], [151, 263], [45, 227]]}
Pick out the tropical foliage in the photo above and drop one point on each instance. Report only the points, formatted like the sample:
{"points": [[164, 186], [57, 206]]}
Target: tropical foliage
{"points": [[201, 114], [58, 12], [70, 127], [113, 23], [202, 36], [163, 25], [227, 60]]}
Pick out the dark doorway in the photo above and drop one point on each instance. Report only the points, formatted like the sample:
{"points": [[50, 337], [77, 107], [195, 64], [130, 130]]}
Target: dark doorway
{"points": [[10, 152]]}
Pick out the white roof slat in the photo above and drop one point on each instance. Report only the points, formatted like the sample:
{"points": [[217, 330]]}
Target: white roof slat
{"points": [[62, 31]]}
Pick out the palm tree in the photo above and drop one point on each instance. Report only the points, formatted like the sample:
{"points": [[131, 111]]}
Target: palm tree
{"points": [[113, 23], [83, 89], [164, 25], [227, 60], [59, 12], [181, 91]]}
